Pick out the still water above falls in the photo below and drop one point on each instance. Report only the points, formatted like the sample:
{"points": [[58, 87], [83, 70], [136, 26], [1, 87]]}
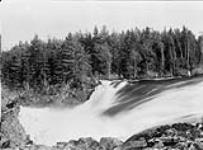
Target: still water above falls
{"points": [[117, 109]]}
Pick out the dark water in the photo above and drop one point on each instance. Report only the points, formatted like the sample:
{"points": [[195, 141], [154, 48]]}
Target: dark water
{"points": [[137, 92]]}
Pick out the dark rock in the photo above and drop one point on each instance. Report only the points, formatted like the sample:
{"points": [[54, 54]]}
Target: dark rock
{"points": [[192, 147], [61, 145], [182, 126], [11, 104], [109, 143], [151, 142], [82, 144], [4, 143], [182, 145], [177, 136], [162, 129], [198, 145], [135, 144], [145, 134], [169, 141], [170, 132], [89, 142], [29, 142], [155, 142]]}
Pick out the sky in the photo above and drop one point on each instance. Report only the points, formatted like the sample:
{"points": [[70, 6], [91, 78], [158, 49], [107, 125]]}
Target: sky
{"points": [[22, 19]]}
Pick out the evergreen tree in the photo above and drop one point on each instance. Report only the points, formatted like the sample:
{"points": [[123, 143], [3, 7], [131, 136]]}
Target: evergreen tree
{"points": [[81, 57]]}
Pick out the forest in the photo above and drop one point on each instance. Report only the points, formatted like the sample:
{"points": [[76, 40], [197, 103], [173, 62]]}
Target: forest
{"points": [[81, 59]]}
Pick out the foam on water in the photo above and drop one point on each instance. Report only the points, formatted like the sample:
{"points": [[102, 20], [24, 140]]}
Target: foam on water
{"points": [[50, 125]]}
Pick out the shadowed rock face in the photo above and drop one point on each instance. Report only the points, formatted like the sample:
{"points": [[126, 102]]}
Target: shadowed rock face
{"points": [[12, 133], [138, 92]]}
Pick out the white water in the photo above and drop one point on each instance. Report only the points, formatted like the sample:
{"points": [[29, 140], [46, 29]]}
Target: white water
{"points": [[49, 125]]}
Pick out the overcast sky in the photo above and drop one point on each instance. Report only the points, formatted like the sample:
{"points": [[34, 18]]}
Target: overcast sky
{"points": [[21, 19]]}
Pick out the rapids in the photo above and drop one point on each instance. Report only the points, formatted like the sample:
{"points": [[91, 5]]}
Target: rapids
{"points": [[117, 109]]}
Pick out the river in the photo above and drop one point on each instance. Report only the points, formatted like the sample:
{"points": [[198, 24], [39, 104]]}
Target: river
{"points": [[117, 109]]}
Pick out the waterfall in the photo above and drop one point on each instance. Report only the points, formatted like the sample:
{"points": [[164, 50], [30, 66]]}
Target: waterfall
{"points": [[117, 109]]}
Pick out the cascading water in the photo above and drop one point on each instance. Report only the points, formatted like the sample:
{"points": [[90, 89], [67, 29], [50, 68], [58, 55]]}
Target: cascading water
{"points": [[115, 110]]}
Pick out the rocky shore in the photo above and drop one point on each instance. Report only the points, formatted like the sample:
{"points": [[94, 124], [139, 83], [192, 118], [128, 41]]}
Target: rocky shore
{"points": [[180, 136]]}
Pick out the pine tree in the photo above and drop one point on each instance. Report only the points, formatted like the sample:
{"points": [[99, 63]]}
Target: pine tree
{"points": [[68, 49], [200, 46]]}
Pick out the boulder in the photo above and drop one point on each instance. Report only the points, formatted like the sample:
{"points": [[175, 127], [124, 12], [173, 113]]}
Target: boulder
{"points": [[109, 143], [82, 144], [139, 144], [61, 145], [169, 141]]}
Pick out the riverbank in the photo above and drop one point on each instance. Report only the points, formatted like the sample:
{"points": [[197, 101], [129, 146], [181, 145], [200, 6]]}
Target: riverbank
{"points": [[175, 136]]}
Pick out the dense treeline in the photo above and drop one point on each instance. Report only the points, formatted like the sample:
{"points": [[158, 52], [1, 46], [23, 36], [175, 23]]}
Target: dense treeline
{"points": [[82, 57]]}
